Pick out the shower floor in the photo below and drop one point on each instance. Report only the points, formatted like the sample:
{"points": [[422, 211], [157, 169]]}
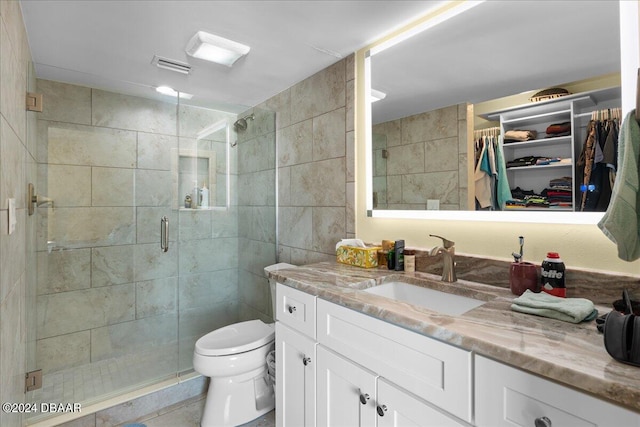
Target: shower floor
{"points": [[96, 381]]}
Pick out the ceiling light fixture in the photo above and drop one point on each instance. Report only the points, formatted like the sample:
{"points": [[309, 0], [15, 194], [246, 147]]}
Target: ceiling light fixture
{"points": [[215, 48], [166, 90], [376, 95]]}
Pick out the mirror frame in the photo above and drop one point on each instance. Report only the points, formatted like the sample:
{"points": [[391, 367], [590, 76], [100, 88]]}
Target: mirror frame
{"points": [[430, 20]]}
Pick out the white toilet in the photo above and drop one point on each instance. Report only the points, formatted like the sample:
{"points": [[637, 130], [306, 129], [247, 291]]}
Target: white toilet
{"points": [[234, 357]]}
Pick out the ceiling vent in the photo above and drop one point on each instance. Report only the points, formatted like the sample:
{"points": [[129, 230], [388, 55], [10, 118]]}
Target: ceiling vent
{"points": [[171, 64]]}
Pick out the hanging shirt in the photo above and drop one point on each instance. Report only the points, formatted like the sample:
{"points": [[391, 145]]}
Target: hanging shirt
{"points": [[483, 180]]}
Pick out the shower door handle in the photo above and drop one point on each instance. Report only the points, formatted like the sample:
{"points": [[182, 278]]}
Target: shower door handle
{"points": [[164, 234]]}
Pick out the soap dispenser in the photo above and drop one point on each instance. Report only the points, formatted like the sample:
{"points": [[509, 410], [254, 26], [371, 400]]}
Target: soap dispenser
{"points": [[195, 195]]}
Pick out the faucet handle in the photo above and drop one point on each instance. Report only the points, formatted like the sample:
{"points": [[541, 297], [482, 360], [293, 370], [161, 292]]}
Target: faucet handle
{"points": [[445, 242]]}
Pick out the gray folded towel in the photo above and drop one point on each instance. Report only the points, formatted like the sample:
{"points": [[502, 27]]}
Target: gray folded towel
{"points": [[574, 310]]}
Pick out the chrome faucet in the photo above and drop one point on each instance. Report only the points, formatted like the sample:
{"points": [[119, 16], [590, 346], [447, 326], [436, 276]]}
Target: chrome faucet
{"points": [[448, 251]]}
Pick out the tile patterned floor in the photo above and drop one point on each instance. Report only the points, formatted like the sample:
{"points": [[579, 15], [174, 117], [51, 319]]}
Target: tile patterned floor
{"points": [[190, 414]]}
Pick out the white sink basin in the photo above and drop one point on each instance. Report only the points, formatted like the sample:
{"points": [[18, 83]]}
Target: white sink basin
{"points": [[441, 302]]}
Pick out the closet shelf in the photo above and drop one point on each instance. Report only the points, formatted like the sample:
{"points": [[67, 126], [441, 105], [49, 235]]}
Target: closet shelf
{"points": [[539, 167], [562, 115], [538, 142]]}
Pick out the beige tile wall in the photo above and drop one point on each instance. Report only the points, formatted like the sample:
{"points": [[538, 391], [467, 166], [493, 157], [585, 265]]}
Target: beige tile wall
{"points": [[17, 167], [426, 160]]}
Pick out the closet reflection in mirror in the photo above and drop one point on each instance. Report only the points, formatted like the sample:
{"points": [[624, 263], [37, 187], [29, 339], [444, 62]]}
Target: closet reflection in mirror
{"points": [[444, 83]]}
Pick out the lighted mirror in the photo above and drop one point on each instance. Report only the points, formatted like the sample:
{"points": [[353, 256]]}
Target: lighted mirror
{"points": [[478, 69]]}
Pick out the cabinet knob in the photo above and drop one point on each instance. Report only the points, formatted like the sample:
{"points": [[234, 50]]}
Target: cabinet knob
{"points": [[363, 398], [306, 360], [292, 308], [543, 422], [382, 409]]}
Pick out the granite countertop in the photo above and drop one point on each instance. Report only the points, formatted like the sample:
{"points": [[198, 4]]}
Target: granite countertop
{"points": [[567, 353]]}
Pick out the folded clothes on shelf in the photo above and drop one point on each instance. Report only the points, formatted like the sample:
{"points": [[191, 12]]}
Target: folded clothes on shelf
{"points": [[558, 129], [518, 135]]}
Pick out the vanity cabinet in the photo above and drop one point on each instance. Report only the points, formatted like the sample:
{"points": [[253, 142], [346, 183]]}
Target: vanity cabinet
{"points": [[507, 396], [351, 395], [295, 358]]}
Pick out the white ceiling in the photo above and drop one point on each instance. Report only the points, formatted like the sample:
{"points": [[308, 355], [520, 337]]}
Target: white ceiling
{"points": [[110, 44], [496, 49]]}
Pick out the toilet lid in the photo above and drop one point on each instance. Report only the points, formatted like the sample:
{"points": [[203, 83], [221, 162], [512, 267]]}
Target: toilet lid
{"points": [[236, 338]]}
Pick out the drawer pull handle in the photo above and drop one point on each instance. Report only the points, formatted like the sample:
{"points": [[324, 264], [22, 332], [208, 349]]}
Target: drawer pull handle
{"points": [[306, 360], [292, 308], [381, 410], [543, 422], [364, 397]]}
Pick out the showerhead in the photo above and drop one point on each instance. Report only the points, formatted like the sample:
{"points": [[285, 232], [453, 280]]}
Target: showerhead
{"points": [[241, 124]]}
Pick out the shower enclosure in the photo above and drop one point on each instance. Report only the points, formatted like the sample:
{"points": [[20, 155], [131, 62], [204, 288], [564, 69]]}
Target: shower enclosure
{"points": [[130, 275]]}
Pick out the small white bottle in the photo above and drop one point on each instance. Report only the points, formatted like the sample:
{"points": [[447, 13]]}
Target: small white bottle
{"points": [[195, 196], [204, 193]]}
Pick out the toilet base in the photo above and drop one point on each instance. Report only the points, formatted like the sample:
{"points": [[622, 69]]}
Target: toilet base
{"points": [[236, 400]]}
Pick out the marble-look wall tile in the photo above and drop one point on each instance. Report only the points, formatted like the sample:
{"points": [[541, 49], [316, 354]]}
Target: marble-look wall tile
{"points": [[90, 146], [329, 138], [258, 223], [119, 111], [295, 144], [258, 153], [302, 257], [74, 311], [92, 226], [441, 155], [284, 186], [257, 188], [153, 188], [392, 130], [208, 255], [206, 289], [224, 223], [63, 351], [319, 183], [64, 102], [284, 254], [436, 124], [112, 265], [350, 157], [255, 256], [394, 189], [351, 208], [154, 151], [66, 185], [149, 262], [156, 297], [350, 106], [12, 19], [318, 94], [254, 291], [194, 224], [246, 312], [13, 74], [406, 159], [296, 227], [112, 187], [281, 105], [350, 67], [148, 224], [193, 120], [437, 185], [63, 270], [12, 166], [12, 350], [329, 226], [140, 335]]}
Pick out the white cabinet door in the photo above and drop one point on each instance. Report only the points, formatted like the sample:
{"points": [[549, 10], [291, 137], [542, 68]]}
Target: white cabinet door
{"points": [[399, 408], [295, 378], [346, 392], [509, 397]]}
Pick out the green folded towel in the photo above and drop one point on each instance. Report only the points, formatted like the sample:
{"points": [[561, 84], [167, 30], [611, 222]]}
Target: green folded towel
{"points": [[574, 310]]}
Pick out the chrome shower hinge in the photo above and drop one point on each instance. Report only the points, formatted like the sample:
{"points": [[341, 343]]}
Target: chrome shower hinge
{"points": [[34, 102]]}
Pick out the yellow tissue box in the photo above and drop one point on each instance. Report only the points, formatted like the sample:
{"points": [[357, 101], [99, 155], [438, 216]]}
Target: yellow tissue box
{"points": [[359, 257]]}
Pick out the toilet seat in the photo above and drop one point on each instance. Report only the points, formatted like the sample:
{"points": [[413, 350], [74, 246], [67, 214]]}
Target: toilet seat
{"points": [[236, 338]]}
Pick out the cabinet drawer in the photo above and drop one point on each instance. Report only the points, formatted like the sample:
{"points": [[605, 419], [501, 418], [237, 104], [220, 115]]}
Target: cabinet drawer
{"points": [[296, 309], [432, 370], [507, 396]]}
